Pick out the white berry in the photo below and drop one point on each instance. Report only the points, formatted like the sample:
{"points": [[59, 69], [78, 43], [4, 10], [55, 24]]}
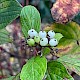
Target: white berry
{"points": [[53, 42], [51, 34], [32, 33], [42, 34], [43, 41]]}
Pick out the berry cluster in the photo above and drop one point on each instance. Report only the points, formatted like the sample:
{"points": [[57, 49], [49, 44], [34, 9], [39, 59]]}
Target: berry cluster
{"points": [[42, 38]]}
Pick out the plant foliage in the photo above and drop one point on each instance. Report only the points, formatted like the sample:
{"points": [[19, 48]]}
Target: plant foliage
{"points": [[72, 62], [38, 67], [4, 36], [9, 11], [34, 69], [57, 71], [30, 18]]}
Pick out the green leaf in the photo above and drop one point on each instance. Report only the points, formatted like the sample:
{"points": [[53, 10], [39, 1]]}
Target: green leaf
{"points": [[58, 36], [4, 36], [16, 77], [70, 32], [9, 11], [72, 62], [57, 71], [10, 78], [46, 51], [74, 50], [71, 36], [34, 69], [30, 18], [71, 49]]}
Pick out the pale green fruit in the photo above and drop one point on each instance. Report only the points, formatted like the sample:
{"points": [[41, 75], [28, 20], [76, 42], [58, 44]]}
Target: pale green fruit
{"points": [[37, 39], [31, 42]]}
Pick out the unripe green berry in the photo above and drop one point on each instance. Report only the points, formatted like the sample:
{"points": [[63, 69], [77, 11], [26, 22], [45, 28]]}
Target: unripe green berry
{"points": [[37, 39], [31, 42]]}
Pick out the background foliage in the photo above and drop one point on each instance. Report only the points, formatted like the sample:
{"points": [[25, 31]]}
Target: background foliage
{"points": [[18, 53]]}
